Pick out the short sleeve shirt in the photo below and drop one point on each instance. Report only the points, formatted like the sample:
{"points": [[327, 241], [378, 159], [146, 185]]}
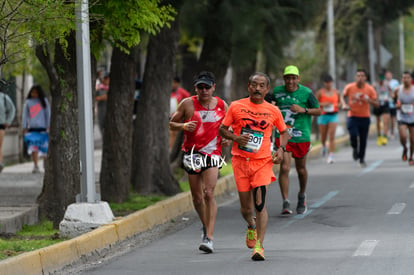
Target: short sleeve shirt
{"points": [[257, 120], [358, 107], [299, 125]]}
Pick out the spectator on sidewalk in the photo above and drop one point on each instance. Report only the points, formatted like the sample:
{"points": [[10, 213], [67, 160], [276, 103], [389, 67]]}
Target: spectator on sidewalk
{"points": [[36, 123], [7, 113], [101, 98]]}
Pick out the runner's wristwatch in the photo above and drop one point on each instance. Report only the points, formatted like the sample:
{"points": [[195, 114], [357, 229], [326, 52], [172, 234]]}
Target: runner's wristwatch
{"points": [[283, 148]]}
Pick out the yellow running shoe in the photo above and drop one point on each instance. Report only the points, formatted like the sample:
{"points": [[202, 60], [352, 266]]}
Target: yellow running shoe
{"points": [[384, 140], [251, 237], [379, 140], [258, 252]]}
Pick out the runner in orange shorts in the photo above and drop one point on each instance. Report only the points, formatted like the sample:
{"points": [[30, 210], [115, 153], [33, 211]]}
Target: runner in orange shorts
{"points": [[252, 120]]}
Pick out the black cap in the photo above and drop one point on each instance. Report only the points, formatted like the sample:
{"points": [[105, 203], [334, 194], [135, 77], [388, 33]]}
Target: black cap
{"points": [[204, 78]]}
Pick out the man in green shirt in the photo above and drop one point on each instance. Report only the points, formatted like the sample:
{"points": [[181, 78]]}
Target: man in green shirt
{"points": [[297, 104]]}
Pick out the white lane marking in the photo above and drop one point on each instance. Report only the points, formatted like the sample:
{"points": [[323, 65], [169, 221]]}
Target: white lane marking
{"points": [[412, 185], [366, 248], [371, 167], [397, 208]]}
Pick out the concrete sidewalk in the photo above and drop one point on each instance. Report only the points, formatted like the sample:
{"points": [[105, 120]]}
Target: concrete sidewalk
{"points": [[19, 189]]}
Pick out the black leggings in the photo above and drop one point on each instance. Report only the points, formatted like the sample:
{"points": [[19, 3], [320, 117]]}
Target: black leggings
{"points": [[359, 127]]}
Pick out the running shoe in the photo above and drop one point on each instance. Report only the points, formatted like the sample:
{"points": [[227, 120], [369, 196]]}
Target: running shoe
{"points": [[384, 140], [324, 151], [410, 162], [379, 141], [258, 252], [251, 237], [301, 207], [363, 164], [404, 155], [330, 159], [355, 154], [206, 245], [35, 169], [286, 208]]}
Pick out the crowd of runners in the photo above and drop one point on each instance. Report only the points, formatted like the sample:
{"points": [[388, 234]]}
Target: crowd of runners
{"points": [[282, 118]]}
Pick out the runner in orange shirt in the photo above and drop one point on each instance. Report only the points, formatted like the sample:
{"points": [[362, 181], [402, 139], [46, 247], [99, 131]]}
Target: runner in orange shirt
{"points": [[252, 120], [360, 95]]}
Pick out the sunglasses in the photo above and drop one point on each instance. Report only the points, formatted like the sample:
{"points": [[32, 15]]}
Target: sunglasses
{"points": [[203, 86]]}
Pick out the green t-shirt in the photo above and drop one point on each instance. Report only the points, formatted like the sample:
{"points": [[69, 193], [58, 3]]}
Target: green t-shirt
{"points": [[299, 125]]}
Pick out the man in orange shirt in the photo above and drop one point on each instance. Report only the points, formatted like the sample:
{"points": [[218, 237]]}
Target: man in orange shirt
{"points": [[252, 120], [360, 95]]}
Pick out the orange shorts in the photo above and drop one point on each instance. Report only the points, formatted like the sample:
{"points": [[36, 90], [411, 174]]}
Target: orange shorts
{"points": [[252, 173], [298, 150]]}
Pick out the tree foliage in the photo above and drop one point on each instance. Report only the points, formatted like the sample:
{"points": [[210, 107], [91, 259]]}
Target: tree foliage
{"points": [[26, 22], [123, 21]]}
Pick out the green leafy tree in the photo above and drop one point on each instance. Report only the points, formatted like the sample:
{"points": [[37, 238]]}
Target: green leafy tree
{"points": [[151, 167], [143, 16], [351, 19], [120, 25]]}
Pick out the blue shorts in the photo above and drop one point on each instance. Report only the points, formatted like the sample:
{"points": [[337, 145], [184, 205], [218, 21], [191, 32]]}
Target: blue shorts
{"points": [[327, 118]]}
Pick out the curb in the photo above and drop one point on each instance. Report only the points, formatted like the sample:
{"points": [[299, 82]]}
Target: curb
{"points": [[53, 258]]}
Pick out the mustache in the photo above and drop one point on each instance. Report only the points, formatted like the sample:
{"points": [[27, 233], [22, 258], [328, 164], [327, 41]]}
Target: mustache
{"points": [[257, 93]]}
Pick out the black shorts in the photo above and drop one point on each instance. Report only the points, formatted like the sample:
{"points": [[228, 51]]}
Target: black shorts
{"points": [[384, 109], [2, 127], [195, 162], [405, 123], [393, 112]]}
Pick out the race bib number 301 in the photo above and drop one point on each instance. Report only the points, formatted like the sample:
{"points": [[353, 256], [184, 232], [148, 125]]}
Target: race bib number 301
{"points": [[255, 140]]}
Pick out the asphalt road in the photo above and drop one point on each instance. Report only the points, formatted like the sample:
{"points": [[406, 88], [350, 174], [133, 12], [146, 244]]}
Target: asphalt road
{"points": [[360, 221]]}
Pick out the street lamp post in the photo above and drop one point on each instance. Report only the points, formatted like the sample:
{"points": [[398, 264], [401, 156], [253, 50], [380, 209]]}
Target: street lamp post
{"points": [[89, 212], [83, 65], [331, 39]]}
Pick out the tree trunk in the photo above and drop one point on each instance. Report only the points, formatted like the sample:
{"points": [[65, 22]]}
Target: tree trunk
{"points": [[151, 168], [189, 68], [62, 179], [239, 81], [216, 53], [117, 141]]}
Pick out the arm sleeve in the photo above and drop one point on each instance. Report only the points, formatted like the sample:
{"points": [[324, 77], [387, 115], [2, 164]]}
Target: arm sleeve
{"points": [[345, 92], [279, 123], [228, 119], [11, 110], [312, 101]]}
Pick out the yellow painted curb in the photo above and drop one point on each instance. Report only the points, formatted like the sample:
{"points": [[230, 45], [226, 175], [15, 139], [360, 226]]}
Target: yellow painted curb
{"points": [[26, 263]]}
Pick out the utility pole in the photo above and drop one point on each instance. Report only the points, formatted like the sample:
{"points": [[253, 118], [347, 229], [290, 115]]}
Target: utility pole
{"points": [[83, 64], [402, 46], [331, 39], [89, 212], [371, 50]]}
